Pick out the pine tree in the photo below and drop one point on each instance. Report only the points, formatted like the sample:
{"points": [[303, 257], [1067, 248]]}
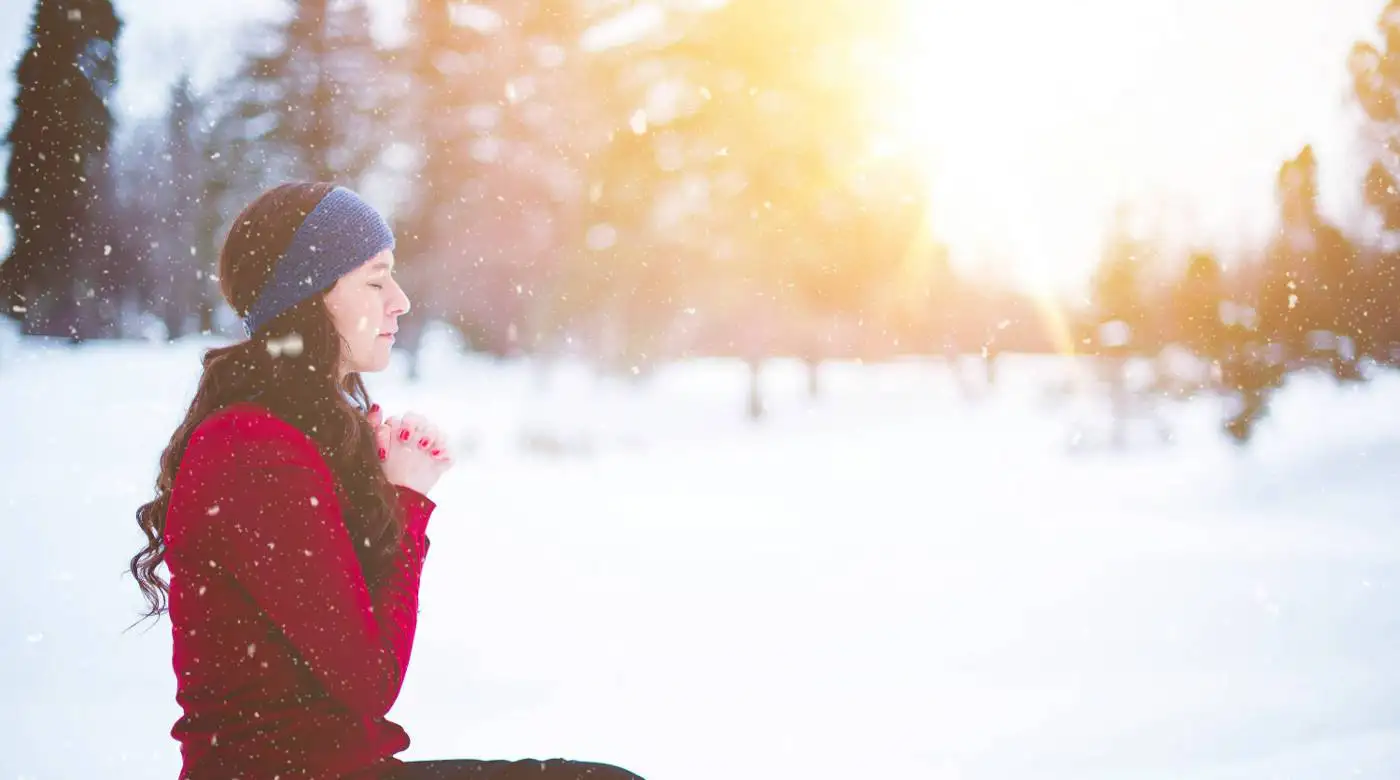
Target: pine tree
{"points": [[493, 180], [720, 196], [1198, 299], [441, 82], [1376, 84], [313, 97], [194, 293], [162, 174], [1310, 281], [58, 192], [1118, 290]]}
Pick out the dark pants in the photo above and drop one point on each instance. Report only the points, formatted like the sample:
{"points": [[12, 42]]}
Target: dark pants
{"points": [[470, 769]]}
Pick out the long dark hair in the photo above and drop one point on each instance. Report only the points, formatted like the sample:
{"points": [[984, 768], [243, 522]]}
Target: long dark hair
{"points": [[291, 367]]}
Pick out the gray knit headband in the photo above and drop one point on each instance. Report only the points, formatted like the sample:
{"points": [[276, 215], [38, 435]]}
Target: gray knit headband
{"points": [[341, 234]]}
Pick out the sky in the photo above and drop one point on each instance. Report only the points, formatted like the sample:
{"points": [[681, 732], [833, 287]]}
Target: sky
{"points": [[1033, 120], [1050, 114]]}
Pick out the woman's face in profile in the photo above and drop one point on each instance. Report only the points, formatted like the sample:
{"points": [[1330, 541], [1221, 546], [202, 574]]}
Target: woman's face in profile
{"points": [[365, 306]]}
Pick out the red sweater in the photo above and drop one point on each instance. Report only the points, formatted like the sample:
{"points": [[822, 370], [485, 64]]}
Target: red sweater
{"points": [[285, 662]]}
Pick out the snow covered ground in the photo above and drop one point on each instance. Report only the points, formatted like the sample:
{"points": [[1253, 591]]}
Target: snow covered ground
{"points": [[887, 582]]}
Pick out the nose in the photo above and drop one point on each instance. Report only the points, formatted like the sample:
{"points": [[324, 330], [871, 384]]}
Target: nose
{"points": [[399, 304]]}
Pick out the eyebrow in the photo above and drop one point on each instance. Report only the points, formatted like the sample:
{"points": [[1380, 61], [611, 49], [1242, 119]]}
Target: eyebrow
{"points": [[381, 265]]}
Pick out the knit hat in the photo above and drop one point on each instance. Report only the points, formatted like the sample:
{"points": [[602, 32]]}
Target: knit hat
{"points": [[341, 234]]}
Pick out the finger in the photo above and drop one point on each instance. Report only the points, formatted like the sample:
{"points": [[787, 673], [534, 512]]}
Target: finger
{"points": [[403, 430], [416, 423], [424, 432], [395, 430], [383, 435], [428, 436], [415, 419], [375, 416], [437, 447]]}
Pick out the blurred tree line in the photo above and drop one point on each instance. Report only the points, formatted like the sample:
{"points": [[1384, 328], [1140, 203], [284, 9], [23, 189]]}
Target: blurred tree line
{"points": [[1311, 297], [633, 184], [629, 183]]}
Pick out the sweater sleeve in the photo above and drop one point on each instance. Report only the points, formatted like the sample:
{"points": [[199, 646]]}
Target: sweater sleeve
{"points": [[271, 520]]}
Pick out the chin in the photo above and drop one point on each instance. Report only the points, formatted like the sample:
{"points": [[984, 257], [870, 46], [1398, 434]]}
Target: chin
{"points": [[374, 364]]}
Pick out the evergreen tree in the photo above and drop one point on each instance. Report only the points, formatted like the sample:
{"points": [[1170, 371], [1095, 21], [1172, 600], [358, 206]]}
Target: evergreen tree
{"points": [[1310, 280], [1118, 295], [494, 182], [311, 96], [440, 68], [59, 278], [192, 252], [1197, 314], [1376, 84], [732, 134], [162, 176]]}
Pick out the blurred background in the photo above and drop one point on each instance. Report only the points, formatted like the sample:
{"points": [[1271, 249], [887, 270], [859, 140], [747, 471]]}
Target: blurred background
{"points": [[989, 389]]}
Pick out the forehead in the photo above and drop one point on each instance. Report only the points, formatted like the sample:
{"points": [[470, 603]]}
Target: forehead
{"points": [[384, 261]]}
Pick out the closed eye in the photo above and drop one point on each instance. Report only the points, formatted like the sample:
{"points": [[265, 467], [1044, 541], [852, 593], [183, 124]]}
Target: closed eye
{"points": [[376, 285]]}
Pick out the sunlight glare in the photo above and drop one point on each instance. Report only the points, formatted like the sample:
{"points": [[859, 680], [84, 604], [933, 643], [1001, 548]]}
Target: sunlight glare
{"points": [[1032, 120]]}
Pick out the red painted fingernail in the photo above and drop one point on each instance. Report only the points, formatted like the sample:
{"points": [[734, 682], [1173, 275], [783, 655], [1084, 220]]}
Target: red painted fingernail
{"points": [[423, 442], [383, 453], [373, 408], [435, 453], [403, 435]]}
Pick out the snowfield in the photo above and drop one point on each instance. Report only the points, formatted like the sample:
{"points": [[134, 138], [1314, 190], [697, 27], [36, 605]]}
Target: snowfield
{"points": [[888, 581]]}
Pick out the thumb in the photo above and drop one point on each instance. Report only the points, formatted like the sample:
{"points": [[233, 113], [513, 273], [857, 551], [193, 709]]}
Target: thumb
{"points": [[376, 416]]}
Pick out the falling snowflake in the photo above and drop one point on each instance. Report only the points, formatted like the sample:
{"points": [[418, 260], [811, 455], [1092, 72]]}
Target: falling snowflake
{"points": [[291, 345], [213, 510]]}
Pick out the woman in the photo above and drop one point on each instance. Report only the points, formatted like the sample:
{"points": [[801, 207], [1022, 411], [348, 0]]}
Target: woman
{"points": [[292, 515]]}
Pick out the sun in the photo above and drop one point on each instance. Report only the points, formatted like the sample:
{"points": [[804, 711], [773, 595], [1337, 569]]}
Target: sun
{"points": [[1008, 109]]}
